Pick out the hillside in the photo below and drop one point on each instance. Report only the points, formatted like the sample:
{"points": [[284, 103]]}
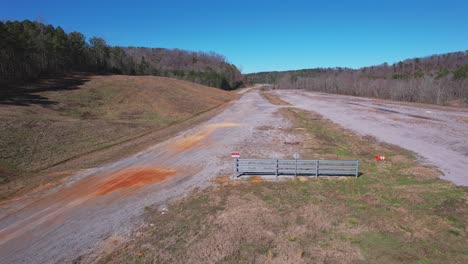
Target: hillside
{"points": [[437, 79], [32, 50], [210, 69], [58, 120]]}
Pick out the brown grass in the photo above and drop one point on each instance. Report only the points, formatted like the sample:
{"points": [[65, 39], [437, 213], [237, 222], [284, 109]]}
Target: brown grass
{"points": [[255, 179], [106, 118]]}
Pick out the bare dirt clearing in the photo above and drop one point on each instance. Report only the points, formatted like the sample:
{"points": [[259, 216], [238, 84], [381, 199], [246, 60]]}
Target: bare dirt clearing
{"points": [[435, 133]]}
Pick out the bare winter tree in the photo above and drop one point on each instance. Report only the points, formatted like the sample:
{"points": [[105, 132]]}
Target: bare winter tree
{"points": [[438, 79]]}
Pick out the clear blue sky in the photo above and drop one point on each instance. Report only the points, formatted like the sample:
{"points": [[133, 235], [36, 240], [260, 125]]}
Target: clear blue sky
{"points": [[266, 35]]}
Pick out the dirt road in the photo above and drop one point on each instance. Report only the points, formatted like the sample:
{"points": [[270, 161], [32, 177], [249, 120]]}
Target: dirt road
{"points": [[104, 203], [438, 134]]}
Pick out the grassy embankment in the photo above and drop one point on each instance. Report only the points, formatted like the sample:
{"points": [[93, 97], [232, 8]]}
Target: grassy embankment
{"points": [[396, 212], [59, 125]]}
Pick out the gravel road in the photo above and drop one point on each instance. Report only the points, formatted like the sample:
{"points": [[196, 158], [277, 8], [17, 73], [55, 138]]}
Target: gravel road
{"points": [[438, 134], [76, 219]]}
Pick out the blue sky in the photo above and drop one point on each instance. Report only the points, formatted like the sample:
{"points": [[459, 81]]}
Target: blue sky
{"points": [[266, 35]]}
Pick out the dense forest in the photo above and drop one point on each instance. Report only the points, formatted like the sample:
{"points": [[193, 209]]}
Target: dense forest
{"points": [[30, 50], [437, 79]]}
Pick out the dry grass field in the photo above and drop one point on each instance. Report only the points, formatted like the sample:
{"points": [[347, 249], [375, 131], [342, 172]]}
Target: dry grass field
{"points": [[59, 125], [397, 211]]}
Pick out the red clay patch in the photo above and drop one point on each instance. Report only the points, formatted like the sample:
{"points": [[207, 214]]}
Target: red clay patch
{"points": [[52, 209], [134, 178]]}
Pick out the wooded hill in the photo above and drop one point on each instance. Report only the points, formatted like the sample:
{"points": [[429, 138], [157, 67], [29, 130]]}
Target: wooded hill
{"points": [[30, 50], [210, 69], [437, 79]]}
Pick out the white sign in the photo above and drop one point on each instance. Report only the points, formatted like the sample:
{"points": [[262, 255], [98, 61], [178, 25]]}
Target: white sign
{"points": [[296, 155], [235, 155]]}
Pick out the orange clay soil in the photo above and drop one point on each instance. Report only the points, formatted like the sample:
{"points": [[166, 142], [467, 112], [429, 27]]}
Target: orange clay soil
{"points": [[134, 178], [54, 207], [195, 140]]}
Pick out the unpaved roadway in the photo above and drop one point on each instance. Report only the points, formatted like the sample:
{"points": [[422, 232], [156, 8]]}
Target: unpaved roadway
{"points": [[103, 204], [438, 134], [97, 207]]}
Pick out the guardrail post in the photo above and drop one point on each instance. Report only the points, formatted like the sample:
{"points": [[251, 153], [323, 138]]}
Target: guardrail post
{"points": [[317, 169], [357, 168], [295, 172], [277, 166], [236, 167]]}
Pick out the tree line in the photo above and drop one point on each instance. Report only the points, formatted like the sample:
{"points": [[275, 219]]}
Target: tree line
{"points": [[437, 79], [31, 50]]}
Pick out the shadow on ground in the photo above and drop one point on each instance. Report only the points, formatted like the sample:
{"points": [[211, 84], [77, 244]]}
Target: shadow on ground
{"points": [[26, 92]]}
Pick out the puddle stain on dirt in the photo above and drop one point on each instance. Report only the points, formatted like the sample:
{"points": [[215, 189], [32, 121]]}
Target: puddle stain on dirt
{"points": [[196, 140]]}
